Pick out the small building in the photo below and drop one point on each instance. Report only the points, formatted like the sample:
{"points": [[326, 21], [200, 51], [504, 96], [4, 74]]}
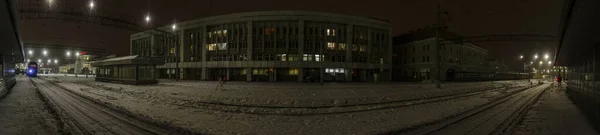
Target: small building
{"points": [[128, 70], [414, 55]]}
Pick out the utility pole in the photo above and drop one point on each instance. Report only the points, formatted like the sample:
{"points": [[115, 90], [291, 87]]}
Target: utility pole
{"points": [[437, 45]]}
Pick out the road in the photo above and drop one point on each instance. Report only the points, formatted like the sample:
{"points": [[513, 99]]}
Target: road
{"points": [[86, 117]]}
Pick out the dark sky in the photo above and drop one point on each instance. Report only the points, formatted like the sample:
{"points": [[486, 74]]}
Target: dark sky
{"points": [[468, 17]]}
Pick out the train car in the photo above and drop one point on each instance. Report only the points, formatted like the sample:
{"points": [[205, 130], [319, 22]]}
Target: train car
{"points": [[32, 69]]}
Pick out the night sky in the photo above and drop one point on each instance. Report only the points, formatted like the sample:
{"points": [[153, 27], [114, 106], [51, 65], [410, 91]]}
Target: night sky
{"points": [[468, 18]]}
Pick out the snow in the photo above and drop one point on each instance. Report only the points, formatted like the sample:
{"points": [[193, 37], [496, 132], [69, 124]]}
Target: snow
{"points": [[173, 102], [554, 113], [23, 112]]}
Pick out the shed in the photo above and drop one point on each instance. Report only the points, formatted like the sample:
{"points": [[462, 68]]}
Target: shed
{"points": [[128, 69]]}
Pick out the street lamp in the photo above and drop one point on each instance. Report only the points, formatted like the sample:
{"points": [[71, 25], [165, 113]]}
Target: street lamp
{"points": [[541, 62], [535, 57], [55, 61], [521, 57], [546, 56], [45, 52], [549, 62], [68, 53], [30, 52], [174, 27], [147, 18], [77, 54], [39, 60], [91, 4], [531, 62]]}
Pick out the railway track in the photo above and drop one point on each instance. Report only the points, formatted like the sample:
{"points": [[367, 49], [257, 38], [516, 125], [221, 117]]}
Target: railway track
{"points": [[495, 117], [321, 110], [82, 116]]}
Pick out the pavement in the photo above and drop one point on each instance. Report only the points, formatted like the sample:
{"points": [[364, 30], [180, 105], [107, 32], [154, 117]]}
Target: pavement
{"points": [[556, 114], [23, 112]]}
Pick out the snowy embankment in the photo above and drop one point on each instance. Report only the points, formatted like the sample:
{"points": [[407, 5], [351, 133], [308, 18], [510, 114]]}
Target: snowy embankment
{"points": [[163, 103]]}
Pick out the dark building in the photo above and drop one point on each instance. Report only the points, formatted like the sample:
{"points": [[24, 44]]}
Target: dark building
{"points": [[414, 55]]}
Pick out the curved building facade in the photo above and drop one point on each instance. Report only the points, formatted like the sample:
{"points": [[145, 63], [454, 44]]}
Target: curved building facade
{"points": [[272, 46]]}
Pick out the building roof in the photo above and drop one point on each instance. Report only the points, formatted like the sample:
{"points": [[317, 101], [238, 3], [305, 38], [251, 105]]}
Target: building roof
{"points": [[129, 60]]}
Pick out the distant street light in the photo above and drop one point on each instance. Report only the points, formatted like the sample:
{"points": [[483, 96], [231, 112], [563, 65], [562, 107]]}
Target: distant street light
{"points": [[147, 18], [77, 54], [49, 60], [549, 62], [521, 57], [541, 62], [531, 62], [546, 56], [174, 26], [535, 57], [45, 53], [55, 61], [39, 60], [30, 52], [68, 53], [91, 4]]}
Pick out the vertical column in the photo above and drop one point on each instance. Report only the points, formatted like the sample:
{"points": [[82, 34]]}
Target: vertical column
{"points": [[369, 52], [349, 46], [301, 49], [182, 54], [203, 55], [249, 51]]}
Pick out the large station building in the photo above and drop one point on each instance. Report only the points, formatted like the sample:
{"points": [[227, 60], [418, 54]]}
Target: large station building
{"points": [[272, 46]]}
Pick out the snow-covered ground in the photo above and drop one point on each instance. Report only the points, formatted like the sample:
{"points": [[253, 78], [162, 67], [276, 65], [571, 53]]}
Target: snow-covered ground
{"points": [[167, 103], [555, 114], [23, 112]]}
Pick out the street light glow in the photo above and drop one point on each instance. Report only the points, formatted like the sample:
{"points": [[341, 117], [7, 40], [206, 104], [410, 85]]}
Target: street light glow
{"points": [[541, 62], [49, 60], [546, 56], [535, 57], [549, 62], [521, 57], [147, 18], [30, 52], [45, 53], [531, 62], [39, 60], [68, 53], [55, 61], [174, 26], [91, 4], [77, 54]]}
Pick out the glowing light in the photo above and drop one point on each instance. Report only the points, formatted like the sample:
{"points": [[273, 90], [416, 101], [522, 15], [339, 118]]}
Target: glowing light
{"points": [[147, 18], [91, 4], [39, 60], [76, 53], [521, 57], [55, 61], [174, 26], [45, 53], [535, 57], [549, 62], [49, 60], [30, 52], [546, 56], [68, 53]]}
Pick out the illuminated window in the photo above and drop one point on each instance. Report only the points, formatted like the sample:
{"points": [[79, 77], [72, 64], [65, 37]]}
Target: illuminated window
{"points": [[317, 58], [330, 45], [328, 32], [212, 47], [172, 50], [267, 31], [224, 32], [283, 57], [307, 57], [272, 30], [362, 48], [219, 33], [209, 35], [333, 32], [293, 71], [221, 46], [342, 46]]}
